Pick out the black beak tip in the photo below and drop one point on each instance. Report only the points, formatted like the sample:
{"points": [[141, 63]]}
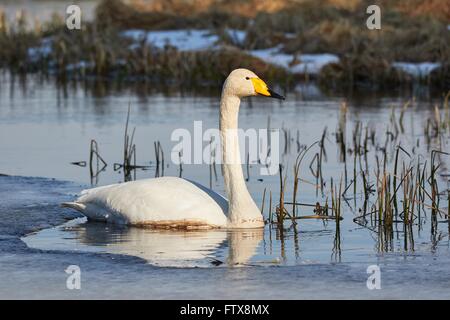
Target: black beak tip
{"points": [[276, 95]]}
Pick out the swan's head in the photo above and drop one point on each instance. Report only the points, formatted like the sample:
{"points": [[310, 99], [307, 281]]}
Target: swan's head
{"points": [[245, 83]]}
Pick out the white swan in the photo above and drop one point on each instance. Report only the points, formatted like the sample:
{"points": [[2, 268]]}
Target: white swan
{"points": [[172, 202]]}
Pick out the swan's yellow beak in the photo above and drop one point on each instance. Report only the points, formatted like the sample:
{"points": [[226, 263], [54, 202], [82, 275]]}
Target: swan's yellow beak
{"points": [[262, 89]]}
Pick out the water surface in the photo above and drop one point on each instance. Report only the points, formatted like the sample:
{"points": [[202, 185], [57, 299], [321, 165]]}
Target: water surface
{"points": [[44, 127]]}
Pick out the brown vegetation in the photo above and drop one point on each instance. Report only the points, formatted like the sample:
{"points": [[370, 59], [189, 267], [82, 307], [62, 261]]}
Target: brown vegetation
{"points": [[298, 27]]}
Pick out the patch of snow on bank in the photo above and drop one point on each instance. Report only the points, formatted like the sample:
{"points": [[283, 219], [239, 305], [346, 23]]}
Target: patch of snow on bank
{"points": [[81, 65], [290, 35], [183, 40], [307, 63], [237, 36], [418, 70], [42, 51]]}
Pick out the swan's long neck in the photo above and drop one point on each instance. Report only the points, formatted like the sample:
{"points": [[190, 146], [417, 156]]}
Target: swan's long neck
{"points": [[242, 210]]}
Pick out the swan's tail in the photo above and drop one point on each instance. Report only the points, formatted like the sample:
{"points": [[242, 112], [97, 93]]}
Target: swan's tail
{"points": [[74, 205]]}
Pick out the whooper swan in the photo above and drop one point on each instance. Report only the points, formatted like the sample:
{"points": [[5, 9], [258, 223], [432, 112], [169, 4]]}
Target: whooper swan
{"points": [[172, 202]]}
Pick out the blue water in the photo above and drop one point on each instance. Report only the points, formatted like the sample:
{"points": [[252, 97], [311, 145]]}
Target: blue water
{"points": [[36, 273], [44, 128]]}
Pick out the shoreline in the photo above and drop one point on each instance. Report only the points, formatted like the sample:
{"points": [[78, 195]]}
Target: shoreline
{"points": [[283, 46]]}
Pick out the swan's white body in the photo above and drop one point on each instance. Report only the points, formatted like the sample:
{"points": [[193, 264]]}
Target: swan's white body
{"points": [[161, 202], [174, 202]]}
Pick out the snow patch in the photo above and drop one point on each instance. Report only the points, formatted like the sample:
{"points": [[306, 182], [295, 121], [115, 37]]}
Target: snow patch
{"points": [[42, 51], [304, 63], [183, 40], [81, 65], [290, 35], [237, 36], [418, 70]]}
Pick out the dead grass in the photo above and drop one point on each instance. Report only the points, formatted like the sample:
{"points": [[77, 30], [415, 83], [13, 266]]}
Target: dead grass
{"points": [[437, 9], [245, 8]]}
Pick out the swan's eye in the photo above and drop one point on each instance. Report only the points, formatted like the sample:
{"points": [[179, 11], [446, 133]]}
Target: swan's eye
{"points": [[247, 78]]}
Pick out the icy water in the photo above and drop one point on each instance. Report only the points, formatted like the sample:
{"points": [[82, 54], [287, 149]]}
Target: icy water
{"points": [[45, 127]]}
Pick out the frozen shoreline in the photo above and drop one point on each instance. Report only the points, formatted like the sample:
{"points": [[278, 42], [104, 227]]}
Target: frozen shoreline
{"points": [[197, 40]]}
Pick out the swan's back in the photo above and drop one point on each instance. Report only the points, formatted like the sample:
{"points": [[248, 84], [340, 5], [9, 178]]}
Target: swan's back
{"points": [[161, 202]]}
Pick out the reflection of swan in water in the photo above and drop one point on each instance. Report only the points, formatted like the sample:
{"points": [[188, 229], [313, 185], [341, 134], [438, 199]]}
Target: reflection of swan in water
{"points": [[243, 244], [158, 247], [176, 248]]}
